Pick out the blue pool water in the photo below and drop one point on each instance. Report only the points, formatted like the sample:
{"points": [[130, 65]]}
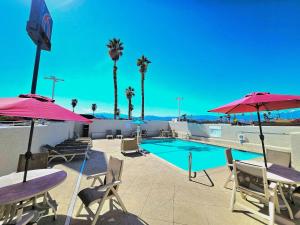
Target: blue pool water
{"points": [[204, 156]]}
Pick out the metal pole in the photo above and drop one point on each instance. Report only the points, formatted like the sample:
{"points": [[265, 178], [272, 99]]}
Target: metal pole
{"points": [[36, 68], [261, 136], [55, 80], [53, 88], [28, 153]]}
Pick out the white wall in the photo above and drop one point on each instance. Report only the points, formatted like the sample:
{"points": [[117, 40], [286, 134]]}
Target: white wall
{"points": [[295, 148], [14, 141], [98, 127]]}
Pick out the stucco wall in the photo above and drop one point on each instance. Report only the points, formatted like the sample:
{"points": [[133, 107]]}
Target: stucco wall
{"points": [[14, 141], [98, 127]]}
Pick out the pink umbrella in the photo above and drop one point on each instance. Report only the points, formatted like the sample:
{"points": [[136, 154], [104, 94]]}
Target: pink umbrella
{"points": [[36, 107], [260, 101]]}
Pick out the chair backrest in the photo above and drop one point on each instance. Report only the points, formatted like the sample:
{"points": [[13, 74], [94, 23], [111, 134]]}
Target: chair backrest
{"points": [[37, 161], [279, 157], [118, 132], [114, 170], [251, 179], [229, 158], [108, 132]]}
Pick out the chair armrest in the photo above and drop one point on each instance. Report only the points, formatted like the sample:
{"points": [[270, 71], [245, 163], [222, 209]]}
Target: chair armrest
{"points": [[96, 175], [110, 185]]}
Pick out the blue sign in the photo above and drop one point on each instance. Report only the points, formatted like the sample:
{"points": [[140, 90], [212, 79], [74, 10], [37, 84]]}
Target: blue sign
{"points": [[39, 26]]}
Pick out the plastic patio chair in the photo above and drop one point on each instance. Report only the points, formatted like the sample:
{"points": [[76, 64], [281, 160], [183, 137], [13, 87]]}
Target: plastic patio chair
{"points": [[119, 134], [251, 180], [106, 190], [229, 160], [109, 134]]}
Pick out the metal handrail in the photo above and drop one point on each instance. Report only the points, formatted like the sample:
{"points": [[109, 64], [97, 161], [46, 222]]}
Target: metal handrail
{"points": [[190, 159]]}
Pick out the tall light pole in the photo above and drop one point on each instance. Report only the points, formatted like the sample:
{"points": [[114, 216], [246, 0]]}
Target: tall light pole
{"points": [[54, 79], [179, 99]]}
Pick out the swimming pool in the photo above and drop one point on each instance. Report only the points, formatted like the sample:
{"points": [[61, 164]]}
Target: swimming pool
{"points": [[205, 156]]}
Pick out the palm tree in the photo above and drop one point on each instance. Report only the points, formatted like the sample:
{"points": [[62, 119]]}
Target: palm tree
{"points": [[94, 108], [74, 103], [115, 51], [118, 113], [143, 64], [129, 94]]}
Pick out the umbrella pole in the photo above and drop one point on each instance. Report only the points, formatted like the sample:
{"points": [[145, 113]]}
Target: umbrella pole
{"points": [[261, 136], [28, 154]]}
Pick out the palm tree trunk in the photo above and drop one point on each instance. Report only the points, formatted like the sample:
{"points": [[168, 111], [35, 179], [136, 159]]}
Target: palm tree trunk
{"points": [[115, 89], [142, 116], [73, 109], [129, 109]]}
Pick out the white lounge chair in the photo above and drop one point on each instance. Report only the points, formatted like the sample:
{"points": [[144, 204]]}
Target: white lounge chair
{"points": [[14, 214], [251, 180], [106, 190], [67, 153]]}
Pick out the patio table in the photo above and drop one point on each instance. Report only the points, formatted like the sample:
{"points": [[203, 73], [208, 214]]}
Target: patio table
{"points": [[39, 182], [280, 175]]}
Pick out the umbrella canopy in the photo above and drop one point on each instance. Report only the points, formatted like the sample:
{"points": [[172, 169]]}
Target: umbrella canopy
{"points": [[260, 101], [37, 107], [263, 100]]}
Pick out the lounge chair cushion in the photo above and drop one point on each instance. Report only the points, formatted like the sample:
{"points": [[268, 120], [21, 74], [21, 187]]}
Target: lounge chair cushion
{"points": [[89, 195]]}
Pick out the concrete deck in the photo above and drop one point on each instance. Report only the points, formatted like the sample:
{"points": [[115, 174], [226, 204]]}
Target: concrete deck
{"points": [[154, 192]]}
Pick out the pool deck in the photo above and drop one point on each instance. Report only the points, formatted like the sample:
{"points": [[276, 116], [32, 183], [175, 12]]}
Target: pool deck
{"points": [[154, 192]]}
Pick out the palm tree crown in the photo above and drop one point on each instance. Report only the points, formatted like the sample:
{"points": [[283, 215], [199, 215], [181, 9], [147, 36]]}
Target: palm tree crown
{"points": [[129, 92], [74, 103], [115, 49], [143, 64], [94, 108]]}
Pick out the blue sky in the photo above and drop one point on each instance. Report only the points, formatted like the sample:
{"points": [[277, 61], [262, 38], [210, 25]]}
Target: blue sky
{"points": [[210, 52]]}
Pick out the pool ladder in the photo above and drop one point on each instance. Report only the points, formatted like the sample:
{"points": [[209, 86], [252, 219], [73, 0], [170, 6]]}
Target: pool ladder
{"points": [[193, 174]]}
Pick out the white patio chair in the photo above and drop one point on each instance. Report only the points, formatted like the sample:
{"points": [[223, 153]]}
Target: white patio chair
{"points": [[109, 134], [251, 180], [229, 161], [107, 190]]}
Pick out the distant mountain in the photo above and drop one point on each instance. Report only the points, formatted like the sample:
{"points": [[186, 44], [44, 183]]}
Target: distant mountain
{"points": [[291, 114], [152, 117]]}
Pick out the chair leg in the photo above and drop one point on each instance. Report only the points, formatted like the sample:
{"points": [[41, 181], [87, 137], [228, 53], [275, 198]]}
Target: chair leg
{"points": [[271, 211], [233, 196], [121, 203], [80, 209], [98, 211], [111, 204], [229, 178]]}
